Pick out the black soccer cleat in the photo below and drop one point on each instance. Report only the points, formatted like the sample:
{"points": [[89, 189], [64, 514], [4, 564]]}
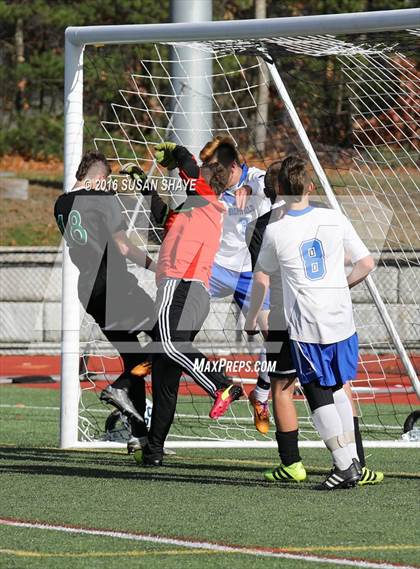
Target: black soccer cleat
{"points": [[119, 398], [340, 479], [136, 445], [358, 467], [144, 460], [151, 462]]}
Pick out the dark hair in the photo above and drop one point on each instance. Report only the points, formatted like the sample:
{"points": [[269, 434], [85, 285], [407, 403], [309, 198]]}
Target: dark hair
{"points": [[88, 160], [271, 181], [293, 176], [227, 155], [216, 175], [223, 148]]}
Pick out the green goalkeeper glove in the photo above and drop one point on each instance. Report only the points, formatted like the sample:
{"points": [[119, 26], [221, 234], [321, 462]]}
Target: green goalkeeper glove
{"points": [[139, 176], [163, 154], [135, 173]]}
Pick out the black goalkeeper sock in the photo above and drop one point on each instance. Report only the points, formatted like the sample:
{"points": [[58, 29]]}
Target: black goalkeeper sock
{"points": [[138, 429], [287, 443], [263, 384], [359, 442]]}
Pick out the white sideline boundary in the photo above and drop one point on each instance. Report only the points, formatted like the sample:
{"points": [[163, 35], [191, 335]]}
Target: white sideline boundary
{"points": [[205, 545]]}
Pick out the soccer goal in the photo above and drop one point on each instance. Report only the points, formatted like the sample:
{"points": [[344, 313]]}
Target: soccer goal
{"points": [[341, 90]]}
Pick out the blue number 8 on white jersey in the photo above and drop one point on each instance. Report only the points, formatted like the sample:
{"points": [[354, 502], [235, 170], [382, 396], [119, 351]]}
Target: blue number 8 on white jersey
{"points": [[313, 257], [307, 247]]}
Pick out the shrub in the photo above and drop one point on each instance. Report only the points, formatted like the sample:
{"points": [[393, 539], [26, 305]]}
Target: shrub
{"points": [[34, 136]]}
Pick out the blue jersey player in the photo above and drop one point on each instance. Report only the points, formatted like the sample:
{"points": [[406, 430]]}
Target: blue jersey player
{"points": [[232, 274]]}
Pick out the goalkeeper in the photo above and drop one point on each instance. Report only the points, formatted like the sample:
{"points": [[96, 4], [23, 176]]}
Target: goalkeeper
{"points": [[90, 220], [191, 240]]}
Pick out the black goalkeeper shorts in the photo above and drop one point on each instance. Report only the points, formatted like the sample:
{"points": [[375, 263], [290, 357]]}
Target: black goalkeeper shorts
{"points": [[279, 356]]}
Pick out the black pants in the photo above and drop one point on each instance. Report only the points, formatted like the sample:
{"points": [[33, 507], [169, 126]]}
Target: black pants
{"points": [[181, 308], [134, 314]]}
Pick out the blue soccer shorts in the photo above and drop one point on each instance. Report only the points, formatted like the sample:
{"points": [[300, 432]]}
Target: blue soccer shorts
{"points": [[328, 364], [224, 282]]}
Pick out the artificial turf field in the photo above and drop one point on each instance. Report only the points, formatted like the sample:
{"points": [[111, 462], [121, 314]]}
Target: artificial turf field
{"points": [[212, 496]]}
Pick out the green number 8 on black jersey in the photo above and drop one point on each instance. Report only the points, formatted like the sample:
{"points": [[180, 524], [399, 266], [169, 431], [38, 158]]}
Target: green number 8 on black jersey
{"points": [[74, 232]]}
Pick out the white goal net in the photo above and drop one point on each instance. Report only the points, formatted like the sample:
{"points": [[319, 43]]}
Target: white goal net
{"points": [[356, 99]]}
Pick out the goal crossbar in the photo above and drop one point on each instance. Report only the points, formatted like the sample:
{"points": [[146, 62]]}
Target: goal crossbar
{"points": [[353, 23]]}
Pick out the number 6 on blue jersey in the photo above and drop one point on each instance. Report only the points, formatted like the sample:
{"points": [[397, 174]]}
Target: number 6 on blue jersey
{"points": [[312, 255]]}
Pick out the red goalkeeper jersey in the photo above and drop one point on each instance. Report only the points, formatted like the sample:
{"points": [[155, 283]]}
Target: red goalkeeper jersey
{"points": [[192, 231]]}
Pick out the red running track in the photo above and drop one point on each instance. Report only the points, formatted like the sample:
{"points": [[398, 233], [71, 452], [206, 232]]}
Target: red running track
{"points": [[385, 371]]}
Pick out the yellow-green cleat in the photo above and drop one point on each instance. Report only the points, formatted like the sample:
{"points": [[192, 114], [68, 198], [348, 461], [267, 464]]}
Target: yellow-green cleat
{"points": [[138, 455], [370, 477], [294, 473]]}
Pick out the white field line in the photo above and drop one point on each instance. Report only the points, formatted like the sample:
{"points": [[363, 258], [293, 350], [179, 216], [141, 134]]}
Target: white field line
{"points": [[210, 546], [183, 415], [19, 406]]}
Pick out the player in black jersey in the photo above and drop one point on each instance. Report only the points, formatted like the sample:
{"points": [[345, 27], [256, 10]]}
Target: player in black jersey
{"points": [[90, 220]]}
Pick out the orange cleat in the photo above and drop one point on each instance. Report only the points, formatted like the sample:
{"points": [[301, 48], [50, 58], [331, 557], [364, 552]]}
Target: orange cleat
{"points": [[142, 369], [261, 414]]}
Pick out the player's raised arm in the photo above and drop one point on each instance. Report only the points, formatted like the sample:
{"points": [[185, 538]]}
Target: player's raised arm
{"points": [[208, 182], [159, 209], [172, 156]]}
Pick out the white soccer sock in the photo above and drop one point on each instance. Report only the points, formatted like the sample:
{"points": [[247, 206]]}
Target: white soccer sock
{"points": [[260, 393], [263, 365], [330, 428], [344, 408]]}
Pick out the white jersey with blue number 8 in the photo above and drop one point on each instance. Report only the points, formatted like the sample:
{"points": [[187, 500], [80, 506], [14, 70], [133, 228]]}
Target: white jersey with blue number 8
{"points": [[309, 247]]}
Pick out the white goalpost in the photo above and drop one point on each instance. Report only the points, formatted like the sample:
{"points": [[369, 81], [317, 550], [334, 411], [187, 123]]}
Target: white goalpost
{"points": [[189, 82]]}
